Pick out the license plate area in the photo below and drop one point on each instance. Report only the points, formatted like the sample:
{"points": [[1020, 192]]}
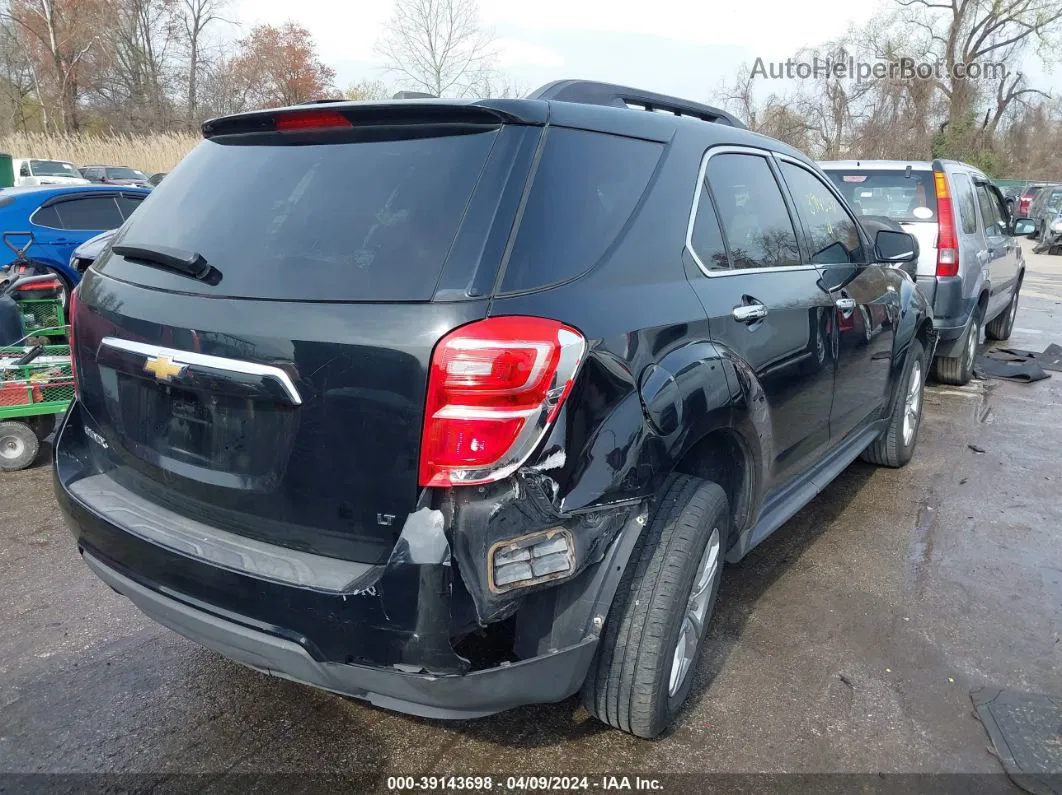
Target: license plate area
{"points": [[224, 433]]}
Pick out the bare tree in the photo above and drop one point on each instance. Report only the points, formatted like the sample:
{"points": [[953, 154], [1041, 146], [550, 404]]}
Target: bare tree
{"points": [[964, 34], [437, 46], [196, 17], [141, 40], [57, 36], [17, 77], [367, 90]]}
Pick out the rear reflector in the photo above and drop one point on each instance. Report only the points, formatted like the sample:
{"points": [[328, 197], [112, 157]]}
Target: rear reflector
{"points": [[531, 559], [311, 120], [493, 390], [947, 235]]}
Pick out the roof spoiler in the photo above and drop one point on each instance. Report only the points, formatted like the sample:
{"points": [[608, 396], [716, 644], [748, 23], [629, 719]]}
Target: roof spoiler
{"points": [[589, 92]]}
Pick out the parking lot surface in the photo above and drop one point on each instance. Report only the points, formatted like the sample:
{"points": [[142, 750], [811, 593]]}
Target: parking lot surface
{"points": [[847, 642]]}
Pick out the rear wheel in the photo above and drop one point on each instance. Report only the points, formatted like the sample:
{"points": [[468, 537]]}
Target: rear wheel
{"points": [[1002, 326], [896, 444], [643, 669], [18, 446], [958, 370]]}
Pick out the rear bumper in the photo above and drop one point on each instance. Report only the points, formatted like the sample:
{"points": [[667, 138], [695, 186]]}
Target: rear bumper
{"points": [[548, 678], [385, 636], [951, 312]]}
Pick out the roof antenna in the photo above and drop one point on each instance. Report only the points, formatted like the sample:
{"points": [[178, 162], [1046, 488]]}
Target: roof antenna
{"points": [[907, 172]]}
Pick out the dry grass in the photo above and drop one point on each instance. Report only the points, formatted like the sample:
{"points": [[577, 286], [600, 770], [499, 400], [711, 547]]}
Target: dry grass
{"points": [[149, 153]]}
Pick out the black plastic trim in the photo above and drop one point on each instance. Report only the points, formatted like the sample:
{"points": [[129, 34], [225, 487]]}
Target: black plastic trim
{"points": [[548, 678]]}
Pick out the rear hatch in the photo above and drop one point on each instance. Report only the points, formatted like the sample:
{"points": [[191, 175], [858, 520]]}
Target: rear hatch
{"points": [[279, 392], [904, 195]]}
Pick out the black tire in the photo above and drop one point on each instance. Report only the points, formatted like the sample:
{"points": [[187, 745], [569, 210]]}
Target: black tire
{"points": [[958, 370], [18, 446], [1001, 326], [892, 448], [629, 682]]}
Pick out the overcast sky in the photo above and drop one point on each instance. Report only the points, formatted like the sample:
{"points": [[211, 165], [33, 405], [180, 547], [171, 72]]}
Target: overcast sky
{"points": [[672, 46]]}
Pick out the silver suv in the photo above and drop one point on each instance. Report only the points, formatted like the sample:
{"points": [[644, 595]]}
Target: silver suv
{"points": [[970, 267]]}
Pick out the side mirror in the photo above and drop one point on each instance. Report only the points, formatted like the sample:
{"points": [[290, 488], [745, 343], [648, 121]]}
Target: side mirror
{"points": [[897, 248], [1023, 226]]}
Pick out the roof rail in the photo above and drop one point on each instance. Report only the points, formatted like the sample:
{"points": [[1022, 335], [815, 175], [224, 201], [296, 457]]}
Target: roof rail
{"points": [[590, 92]]}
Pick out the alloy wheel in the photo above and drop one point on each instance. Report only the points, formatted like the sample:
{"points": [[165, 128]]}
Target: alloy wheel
{"points": [[696, 612], [912, 405]]}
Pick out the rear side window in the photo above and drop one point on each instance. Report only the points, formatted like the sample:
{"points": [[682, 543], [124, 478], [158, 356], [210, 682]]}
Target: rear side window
{"points": [[991, 213], [963, 188], [758, 229], [47, 216], [902, 195], [832, 234], [585, 188], [346, 221], [94, 213]]}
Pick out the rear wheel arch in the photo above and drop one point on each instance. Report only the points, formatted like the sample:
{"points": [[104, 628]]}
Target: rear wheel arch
{"points": [[723, 457]]}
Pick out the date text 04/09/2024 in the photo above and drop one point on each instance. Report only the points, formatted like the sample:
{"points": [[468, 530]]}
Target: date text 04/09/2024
{"points": [[522, 783]]}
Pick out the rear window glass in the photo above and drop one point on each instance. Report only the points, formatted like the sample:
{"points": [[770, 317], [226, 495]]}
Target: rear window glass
{"points": [[899, 195], [367, 221], [585, 188]]}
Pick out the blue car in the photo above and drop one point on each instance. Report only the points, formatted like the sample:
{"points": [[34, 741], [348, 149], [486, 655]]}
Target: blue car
{"points": [[61, 219]]}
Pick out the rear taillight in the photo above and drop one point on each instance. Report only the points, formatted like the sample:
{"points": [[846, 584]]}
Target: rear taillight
{"points": [[71, 313], [493, 390], [54, 284], [947, 236]]}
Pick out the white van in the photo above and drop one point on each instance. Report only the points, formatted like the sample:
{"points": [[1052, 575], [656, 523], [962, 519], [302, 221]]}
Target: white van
{"points": [[46, 172]]}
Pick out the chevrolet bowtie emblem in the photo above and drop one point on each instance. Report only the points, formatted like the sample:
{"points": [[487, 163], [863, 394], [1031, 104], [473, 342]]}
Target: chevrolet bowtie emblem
{"points": [[163, 367]]}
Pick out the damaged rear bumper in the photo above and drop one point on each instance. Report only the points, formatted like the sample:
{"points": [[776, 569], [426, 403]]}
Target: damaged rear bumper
{"points": [[388, 633], [551, 677]]}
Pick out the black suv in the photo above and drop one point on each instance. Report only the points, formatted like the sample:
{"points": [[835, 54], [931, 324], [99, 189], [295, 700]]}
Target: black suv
{"points": [[460, 405]]}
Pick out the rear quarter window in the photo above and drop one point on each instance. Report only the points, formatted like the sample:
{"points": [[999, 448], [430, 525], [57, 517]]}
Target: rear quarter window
{"points": [[964, 192], [585, 189]]}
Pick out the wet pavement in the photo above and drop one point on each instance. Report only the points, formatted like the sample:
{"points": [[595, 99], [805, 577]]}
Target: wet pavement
{"points": [[848, 642]]}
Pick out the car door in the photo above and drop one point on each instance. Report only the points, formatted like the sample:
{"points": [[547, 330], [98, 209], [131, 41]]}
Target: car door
{"points": [[865, 303], [72, 221], [1001, 250], [764, 302]]}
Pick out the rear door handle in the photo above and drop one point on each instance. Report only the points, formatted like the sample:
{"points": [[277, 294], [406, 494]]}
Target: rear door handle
{"points": [[749, 313], [846, 305]]}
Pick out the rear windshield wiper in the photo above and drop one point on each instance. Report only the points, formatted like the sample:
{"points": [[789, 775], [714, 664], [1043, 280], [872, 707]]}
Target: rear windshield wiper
{"points": [[189, 263]]}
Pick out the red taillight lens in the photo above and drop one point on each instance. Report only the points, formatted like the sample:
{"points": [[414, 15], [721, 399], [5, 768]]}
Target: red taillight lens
{"points": [[71, 313], [311, 120], [947, 236], [52, 285], [493, 389]]}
